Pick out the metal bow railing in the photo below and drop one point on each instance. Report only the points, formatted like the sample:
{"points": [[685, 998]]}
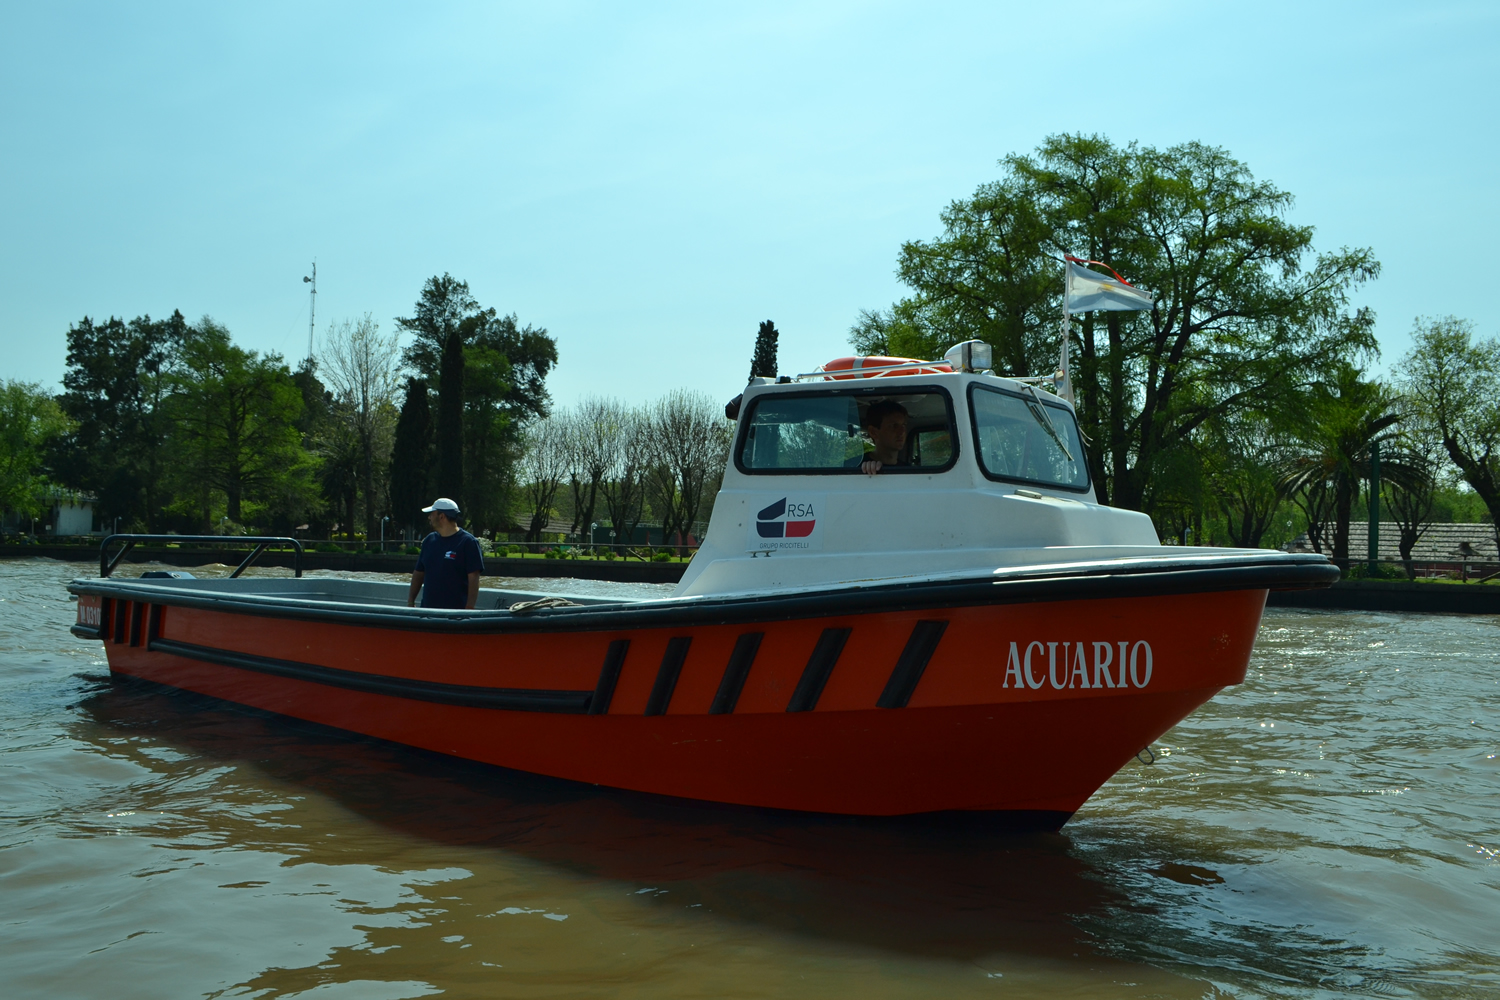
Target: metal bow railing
{"points": [[107, 563]]}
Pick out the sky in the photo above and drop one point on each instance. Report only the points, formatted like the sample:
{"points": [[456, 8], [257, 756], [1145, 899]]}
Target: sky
{"points": [[650, 181]]}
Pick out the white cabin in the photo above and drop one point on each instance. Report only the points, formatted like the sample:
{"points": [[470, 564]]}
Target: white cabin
{"points": [[991, 476]]}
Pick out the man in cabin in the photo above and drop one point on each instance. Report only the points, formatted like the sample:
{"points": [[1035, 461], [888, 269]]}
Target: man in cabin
{"points": [[447, 573], [885, 426]]}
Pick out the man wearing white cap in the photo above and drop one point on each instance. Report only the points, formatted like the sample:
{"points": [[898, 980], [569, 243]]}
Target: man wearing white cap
{"points": [[447, 573]]}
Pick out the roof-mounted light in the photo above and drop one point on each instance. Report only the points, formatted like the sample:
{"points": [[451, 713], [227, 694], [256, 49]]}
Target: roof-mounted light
{"points": [[970, 356]]}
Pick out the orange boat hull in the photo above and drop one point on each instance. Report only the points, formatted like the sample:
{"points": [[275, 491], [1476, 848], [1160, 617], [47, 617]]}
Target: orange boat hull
{"points": [[1025, 707]]}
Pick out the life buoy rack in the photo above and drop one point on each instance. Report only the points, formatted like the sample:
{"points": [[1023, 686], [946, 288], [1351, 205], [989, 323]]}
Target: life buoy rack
{"points": [[878, 367]]}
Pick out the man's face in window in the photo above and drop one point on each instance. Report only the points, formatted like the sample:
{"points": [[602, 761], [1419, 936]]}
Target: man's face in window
{"points": [[890, 436]]}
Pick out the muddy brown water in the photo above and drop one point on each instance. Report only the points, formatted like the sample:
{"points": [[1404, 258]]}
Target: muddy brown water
{"points": [[1329, 828]]}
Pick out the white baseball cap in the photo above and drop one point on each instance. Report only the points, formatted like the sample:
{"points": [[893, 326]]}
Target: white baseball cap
{"points": [[443, 504]]}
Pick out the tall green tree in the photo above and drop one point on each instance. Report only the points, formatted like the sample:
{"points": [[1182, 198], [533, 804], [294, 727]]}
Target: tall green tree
{"points": [[235, 430], [29, 421], [763, 361], [1245, 305], [450, 420], [411, 457], [1241, 455], [1453, 381], [117, 378], [505, 370]]}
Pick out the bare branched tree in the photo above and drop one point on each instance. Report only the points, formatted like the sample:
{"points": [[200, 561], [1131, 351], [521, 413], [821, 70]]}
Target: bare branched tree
{"points": [[543, 467], [688, 443], [360, 366], [588, 439], [624, 433]]}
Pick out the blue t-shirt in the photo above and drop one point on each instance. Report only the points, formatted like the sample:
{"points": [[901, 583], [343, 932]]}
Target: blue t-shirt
{"points": [[448, 563]]}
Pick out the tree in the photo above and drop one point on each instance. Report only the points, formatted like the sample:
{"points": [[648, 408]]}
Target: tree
{"points": [[444, 303], [1245, 307], [360, 365], [1453, 382], [411, 456], [619, 435], [29, 420], [1343, 420], [542, 468], [335, 443], [234, 417], [988, 278], [450, 420], [589, 439], [1243, 452], [688, 443], [492, 441], [506, 366], [1412, 503], [117, 378], [763, 362]]}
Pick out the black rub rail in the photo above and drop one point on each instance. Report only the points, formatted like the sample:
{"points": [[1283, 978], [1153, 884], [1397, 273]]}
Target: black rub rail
{"points": [[107, 563], [1280, 574]]}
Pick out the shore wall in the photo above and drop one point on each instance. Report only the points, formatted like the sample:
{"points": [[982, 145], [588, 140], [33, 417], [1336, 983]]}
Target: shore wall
{"points": [[617, 571], [1395, 595]]}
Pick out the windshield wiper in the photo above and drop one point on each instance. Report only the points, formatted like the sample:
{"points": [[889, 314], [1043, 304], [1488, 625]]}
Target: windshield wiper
{"points": [[1039, 413]]}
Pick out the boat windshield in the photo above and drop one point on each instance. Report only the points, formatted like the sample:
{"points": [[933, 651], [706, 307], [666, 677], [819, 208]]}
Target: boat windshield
{"points": [[1027, 438], [823, 432]]}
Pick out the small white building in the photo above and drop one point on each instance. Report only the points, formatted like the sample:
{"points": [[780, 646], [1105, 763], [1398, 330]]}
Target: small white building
{"points": [[72, 515]]}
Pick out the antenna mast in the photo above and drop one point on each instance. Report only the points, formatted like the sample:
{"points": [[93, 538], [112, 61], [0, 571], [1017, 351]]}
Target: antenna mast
{"points": [[312, 308]]}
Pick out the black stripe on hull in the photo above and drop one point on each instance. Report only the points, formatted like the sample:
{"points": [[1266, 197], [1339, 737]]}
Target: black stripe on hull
{"points": [[666, 677], [609, 676], [925, 636], [819, 666], [735, 673], [510, 699]]}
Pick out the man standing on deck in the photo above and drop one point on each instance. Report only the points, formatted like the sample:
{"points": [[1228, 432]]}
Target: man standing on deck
{"points": [[448, 569]]}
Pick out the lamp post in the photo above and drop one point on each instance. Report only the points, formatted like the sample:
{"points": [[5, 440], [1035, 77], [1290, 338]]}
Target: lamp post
{"points": [[383, 520], [1374, 530]]}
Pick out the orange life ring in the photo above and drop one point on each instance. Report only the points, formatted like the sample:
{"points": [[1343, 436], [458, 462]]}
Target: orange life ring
{"points": [[881, 367]]}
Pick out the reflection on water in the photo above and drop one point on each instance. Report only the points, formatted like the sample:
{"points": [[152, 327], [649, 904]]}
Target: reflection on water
{"points": [[1331, 826]]}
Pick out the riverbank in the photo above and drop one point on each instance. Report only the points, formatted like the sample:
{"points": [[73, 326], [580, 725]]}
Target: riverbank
{"points": [[615, 571], [1395, 595]]}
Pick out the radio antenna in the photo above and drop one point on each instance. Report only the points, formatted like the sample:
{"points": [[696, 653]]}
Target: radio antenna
{"points": [[312, 308]]}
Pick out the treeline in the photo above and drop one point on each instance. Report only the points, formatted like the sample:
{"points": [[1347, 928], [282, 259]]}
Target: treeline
{"points": [[172, 427], [605, 463], [1243, 399]]}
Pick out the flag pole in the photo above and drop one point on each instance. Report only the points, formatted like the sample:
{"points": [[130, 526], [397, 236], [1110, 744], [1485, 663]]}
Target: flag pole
{"points": [[1061, 380]]}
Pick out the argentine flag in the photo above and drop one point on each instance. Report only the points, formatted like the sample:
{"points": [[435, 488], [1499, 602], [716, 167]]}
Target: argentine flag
{"points": [[1088, 290]]}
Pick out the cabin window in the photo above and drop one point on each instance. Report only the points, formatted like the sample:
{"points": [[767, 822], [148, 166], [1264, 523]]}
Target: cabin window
{"points": [[1029, 439], [823, 432]]}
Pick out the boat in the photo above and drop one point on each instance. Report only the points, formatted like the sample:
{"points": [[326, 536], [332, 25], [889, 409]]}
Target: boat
{"points": [[966, 632]]}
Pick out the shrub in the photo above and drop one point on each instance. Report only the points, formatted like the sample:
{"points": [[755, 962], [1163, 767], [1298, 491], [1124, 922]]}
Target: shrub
{"points": [[662, 557]]}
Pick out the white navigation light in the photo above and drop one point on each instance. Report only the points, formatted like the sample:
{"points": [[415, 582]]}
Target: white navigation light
{"points": [[970, 356]]}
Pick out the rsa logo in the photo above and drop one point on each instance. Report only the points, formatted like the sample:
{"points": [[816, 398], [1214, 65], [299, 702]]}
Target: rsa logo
{"points": [[790, 523], [786, 520]]}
